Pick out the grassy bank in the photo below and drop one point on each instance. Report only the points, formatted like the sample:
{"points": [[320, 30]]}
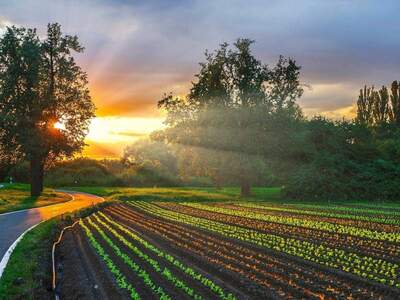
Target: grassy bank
{"points": [[17, 196]]}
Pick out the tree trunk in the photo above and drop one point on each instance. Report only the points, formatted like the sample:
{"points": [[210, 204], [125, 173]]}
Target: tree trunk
{"points": [[245, 189], [37, 171], [218, 183]]}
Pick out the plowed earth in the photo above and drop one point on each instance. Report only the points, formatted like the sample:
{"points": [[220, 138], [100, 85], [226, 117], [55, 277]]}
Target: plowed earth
{"points": [[240, 269]]}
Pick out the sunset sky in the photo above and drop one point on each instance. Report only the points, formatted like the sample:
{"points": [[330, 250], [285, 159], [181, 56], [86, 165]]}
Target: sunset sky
{"points": [[137, 50]]}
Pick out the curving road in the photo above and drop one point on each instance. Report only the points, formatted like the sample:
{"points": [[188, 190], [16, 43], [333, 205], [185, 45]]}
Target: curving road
{"points": [[13, 224]]}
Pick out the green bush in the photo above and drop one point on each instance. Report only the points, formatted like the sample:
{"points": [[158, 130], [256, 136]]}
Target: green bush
{"points": [[346, 161]]}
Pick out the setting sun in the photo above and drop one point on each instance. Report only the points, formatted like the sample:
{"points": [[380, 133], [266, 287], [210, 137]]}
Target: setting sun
{"points": [[59, 125]]}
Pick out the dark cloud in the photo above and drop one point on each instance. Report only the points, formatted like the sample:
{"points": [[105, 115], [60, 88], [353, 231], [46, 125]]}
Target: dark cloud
{"points": [[137, 50]]}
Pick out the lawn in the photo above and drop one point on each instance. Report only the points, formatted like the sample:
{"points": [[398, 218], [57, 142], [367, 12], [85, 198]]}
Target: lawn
{"points": [[181, 194], [196, 194], [17, 196]]}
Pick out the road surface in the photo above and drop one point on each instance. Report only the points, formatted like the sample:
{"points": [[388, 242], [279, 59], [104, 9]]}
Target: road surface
{"points": [[13, 224]]}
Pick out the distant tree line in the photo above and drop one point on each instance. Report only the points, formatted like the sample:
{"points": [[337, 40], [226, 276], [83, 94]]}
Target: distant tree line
{"points": [[240, 125]]}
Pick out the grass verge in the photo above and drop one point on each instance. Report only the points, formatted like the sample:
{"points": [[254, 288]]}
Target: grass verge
{"points": [[195, 194], [17, 196], [180, 194], [28, 266]]}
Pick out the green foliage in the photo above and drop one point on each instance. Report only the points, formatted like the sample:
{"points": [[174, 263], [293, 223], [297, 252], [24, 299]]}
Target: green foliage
{"points": [[219, 126], [20, 172], [90, 172], [346, 161], [121, 280], [81, 172], [377, 107], [209, 283], [150, 163], [40, 85], [332, 257]]}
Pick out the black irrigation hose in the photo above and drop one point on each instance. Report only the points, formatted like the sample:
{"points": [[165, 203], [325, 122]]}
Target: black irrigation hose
{"points": [[53, 258]]}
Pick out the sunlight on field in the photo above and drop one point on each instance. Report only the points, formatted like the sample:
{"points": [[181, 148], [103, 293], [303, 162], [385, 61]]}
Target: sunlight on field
{"points": [[245, 244]]}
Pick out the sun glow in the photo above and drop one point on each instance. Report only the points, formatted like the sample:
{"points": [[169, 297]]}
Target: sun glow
{"points": [[108, 136], [59, 125]]}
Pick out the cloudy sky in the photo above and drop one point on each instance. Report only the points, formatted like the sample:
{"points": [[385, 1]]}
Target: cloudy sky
{"points": [[137, 50]]}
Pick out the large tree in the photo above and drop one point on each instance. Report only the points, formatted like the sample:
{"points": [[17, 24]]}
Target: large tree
{"points": [[45, 106], [220, 124]]}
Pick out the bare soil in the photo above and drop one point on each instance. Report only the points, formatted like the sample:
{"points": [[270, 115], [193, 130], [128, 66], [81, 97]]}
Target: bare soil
{"points": [[80, 272]]}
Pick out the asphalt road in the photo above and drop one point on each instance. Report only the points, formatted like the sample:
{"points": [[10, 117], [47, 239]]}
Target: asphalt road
{"points": [[13, 224]]}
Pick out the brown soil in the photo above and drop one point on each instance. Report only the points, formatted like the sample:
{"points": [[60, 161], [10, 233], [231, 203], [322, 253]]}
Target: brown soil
{"points": [[80, 272], [311, 276], [243, 269], [359, 245]]}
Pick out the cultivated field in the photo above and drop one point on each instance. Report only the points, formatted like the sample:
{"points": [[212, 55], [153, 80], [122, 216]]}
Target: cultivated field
{"points": [[228, 250]]}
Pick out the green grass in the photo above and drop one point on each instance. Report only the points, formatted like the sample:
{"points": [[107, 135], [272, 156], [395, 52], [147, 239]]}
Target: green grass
{"points": [[17, 196], [23, 274], [194, 194], [181, 194]]}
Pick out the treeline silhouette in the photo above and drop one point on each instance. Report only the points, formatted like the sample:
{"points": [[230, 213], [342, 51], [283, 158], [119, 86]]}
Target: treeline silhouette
{"points": [[240, 125]]}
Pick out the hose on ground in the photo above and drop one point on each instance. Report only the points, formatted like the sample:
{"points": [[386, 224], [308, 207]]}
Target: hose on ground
{"points": [[53, 256]]}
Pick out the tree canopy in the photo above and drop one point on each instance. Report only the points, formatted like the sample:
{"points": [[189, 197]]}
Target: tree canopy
{"points": [[41, 86], [221, 123]]}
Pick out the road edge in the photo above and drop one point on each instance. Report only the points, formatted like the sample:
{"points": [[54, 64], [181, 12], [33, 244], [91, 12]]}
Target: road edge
{"points": [[10, 250]]}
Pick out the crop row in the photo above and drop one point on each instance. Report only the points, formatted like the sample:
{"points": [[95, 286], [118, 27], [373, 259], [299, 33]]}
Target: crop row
{"points": [[208, 283], [248, 278], [140, 272], [332, 219], [368, 267], [353, 210], [369, 220], [318, 225], [260, 268], [359, 245], [165, 272], [120, 278]]}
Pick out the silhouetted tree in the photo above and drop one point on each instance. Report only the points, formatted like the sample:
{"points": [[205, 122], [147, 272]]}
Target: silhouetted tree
{"points": [[376, 108], [365, 104], [41, 85], [395, 102], [284, 87], [381, 109]]}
